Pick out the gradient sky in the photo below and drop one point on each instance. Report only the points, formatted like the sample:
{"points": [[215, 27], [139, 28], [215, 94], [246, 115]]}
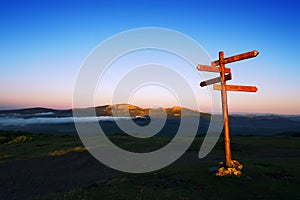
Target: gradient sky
{"points": [[44, 43]]}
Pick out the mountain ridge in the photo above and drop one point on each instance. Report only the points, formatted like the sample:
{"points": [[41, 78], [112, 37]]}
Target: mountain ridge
{"points": [[45, 120], [109, 110]]}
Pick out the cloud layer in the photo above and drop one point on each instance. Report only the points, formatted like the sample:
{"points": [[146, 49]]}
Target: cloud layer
{"points": [[19, 121]]}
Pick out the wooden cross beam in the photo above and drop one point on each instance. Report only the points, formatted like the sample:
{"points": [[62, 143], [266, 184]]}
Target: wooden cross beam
{"points": [[215, 80], [225, 75], [235, 58], [239, 88]]}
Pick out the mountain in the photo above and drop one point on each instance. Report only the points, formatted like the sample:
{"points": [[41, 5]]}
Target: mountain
{"points": [[120, 110], [27, 111], [45, 120]]}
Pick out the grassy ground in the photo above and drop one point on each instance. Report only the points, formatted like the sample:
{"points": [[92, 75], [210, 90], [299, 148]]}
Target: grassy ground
{"points": [[271, 169], [35, 145]]}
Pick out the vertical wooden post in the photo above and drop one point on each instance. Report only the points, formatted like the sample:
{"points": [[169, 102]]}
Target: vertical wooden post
{"points": [[225, 110]]}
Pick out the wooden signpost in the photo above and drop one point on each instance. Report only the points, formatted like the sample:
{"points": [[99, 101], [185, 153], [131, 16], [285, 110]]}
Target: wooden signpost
{"points": [[225, 75]]}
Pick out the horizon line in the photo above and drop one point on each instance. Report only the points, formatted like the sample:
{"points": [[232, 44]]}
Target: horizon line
{"points": [[231, 113]]}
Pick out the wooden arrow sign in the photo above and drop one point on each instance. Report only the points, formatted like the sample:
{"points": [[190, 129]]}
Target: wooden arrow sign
{"points": [[208, 68], [215, 80], [235, 58], [239, 88]]}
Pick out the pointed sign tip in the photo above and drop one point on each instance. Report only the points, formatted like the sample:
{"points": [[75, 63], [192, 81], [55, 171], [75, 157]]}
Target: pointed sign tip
{"points": [[255, 53]]}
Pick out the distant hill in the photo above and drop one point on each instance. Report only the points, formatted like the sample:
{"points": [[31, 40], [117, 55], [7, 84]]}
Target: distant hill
{"points": [[28, 110], [118, 110], [106, 110], [122, 110], [61, 121]]}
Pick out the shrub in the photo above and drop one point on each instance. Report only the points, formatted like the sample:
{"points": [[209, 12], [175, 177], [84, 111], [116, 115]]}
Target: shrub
{"points": [[3, 139], [65, 151], [19, 139]]}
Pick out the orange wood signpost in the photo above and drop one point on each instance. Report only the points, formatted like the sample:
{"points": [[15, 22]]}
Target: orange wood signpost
{"points": [[225, 75]]}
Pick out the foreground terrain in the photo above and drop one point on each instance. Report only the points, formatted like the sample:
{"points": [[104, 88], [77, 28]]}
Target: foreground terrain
{"points": [[41, 166]]}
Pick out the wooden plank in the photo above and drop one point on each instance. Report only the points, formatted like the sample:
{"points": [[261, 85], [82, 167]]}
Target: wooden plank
{"points": [[215, 80], [211, 68], [240, 88], [210, 81], [238, 57]]}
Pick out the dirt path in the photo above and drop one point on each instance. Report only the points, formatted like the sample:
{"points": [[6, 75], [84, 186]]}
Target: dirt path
{"points": [[22, 179]]}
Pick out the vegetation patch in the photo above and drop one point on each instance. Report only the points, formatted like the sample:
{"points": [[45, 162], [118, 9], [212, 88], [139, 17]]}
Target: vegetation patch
{"points": [[13, 137], [65, 151], [19, 139], [24, 145]]}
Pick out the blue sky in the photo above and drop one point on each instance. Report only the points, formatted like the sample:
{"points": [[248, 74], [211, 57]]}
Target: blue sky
{"points": [[43, 44]]}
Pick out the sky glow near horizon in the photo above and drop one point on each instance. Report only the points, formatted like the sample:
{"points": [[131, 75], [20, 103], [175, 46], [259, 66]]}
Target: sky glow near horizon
{"points": [[43, 45]]}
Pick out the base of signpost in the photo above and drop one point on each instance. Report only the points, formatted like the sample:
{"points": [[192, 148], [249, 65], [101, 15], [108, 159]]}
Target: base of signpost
{"points": [[234, 170]]}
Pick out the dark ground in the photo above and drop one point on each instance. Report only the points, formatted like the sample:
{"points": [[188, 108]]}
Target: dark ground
{"points": [[52, 167]]}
